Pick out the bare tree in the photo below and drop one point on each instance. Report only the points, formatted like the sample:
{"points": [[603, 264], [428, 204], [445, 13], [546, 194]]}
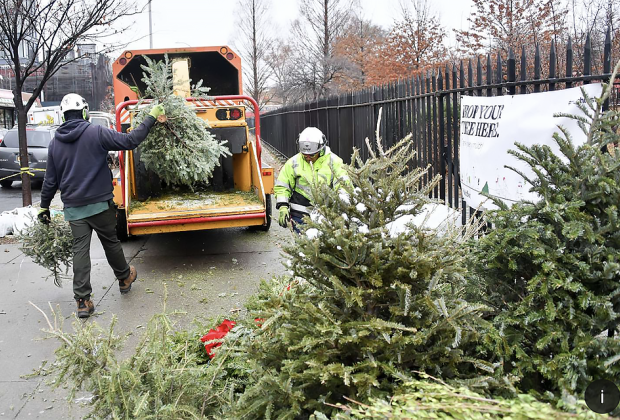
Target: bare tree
{"points": [[314, 35], [594, 18], [254, 48], [286, 88], [48, 31]]}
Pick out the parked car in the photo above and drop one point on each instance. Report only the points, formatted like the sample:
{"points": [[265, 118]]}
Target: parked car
{"points": [[38, 138]]}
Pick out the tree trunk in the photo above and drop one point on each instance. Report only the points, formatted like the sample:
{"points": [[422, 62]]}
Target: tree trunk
{"points": [[23, 155]]}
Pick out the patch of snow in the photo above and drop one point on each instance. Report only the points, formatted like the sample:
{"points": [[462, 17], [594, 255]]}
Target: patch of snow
{"points": [[361, 227], [14, 221], [434, 216], [312, 233], [361, 207]]}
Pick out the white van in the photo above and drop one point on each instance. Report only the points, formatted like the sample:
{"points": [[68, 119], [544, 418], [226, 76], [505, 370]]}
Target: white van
{"points": [[47, 115], [103, 119], [106, 120]]}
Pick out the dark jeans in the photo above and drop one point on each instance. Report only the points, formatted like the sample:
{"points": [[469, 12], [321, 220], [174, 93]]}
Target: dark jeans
{"points": [[104, 224], [296, 221]]}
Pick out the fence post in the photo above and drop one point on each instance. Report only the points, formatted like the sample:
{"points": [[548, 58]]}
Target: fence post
{"points": [[500, 74], [449, 139], [512, 71], [436, 149], [442, 144], [479, 76], [587, 59], [607, 63], [569, 63], [523, 87], [425, 147], [552, 61], [418, 123], [537, 68], [489, 75]]}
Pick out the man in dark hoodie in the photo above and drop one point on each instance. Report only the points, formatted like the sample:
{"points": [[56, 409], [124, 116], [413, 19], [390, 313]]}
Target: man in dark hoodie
{"points": [[77, 165]]}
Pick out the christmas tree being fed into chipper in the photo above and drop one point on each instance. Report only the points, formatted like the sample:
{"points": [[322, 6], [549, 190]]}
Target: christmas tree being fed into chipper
{"points": [[180, 151]]}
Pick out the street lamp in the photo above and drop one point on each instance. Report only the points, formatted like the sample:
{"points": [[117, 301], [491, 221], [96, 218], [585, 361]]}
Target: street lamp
{"points": [[150, 27]]}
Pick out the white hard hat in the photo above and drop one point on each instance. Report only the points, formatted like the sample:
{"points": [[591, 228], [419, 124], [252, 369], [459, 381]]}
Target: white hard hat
{"points": [[73, 102], [311, 141]]}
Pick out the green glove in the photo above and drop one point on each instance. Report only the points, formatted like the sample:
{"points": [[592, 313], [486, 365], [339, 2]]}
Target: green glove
{"points": [[157, 111], [44, 216], [285, 216], [135, 90]]}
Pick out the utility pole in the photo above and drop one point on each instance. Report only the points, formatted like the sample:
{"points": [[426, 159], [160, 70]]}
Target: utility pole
{"points": [[150, 27]]}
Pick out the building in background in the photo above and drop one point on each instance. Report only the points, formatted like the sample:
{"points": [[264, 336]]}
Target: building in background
{"points": [[87, 73]]}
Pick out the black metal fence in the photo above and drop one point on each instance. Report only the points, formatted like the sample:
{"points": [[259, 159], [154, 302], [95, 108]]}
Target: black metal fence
{"points": [[427, 107]]}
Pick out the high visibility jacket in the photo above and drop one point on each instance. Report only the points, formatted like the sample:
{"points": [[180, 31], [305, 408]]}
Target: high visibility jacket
{"points": [[293, 185]]}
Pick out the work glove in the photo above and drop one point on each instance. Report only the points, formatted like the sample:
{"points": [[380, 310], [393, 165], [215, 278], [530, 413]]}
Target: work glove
{"points": [[157, 111], [135, 90], [285, 216], [44, 216]]}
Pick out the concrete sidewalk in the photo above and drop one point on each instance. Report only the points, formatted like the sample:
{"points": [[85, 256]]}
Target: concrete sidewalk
{"points": [[207, 273]]}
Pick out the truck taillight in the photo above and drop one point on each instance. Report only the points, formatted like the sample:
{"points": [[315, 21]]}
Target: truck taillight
{"points": [[228, 114], [235, 114]]}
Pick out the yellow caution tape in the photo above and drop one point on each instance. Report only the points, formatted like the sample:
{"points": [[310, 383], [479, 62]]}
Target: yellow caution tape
{"points": [[28, 171]]}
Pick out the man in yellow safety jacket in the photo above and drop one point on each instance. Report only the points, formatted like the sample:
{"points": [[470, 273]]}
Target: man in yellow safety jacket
{"points": [[315, 161]]}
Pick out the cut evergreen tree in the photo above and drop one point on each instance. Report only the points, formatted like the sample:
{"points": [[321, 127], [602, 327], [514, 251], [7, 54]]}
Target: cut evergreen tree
{"points": [[168, 376], [180, 150], [430, 398], [50, 246], [366, 308], [551, 269]]}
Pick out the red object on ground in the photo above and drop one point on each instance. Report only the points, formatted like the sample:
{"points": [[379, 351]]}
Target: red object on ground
{"points": [[217, 334]]}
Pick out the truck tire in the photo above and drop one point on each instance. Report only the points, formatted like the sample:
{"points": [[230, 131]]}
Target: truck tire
{"points": [[266, 226], [6, 183], [121, 225]]}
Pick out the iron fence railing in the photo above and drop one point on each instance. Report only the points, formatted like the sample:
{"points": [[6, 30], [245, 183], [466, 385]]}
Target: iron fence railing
{"points": [[427, 107]]}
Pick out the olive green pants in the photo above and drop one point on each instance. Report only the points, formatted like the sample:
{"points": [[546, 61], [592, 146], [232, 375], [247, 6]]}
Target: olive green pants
{"points": [[104, 224]]}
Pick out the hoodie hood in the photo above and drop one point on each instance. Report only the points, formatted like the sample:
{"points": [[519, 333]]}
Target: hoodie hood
{"points": [[71, 130]]}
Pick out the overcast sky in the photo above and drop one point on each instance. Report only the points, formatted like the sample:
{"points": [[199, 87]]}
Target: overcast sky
{"points": [[178, 23]]}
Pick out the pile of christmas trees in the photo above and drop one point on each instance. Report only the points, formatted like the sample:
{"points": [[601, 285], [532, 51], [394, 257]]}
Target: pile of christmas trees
{"points": [[373, 323]]}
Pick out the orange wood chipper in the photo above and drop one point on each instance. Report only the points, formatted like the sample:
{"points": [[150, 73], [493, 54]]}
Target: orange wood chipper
{"points": [[241, 188]]}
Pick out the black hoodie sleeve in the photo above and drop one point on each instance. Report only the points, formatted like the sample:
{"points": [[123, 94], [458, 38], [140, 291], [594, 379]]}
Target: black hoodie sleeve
{"points": [[113, 140]]}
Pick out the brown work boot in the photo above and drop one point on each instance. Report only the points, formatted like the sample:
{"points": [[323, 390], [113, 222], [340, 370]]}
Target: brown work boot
{"points": [[85, 307], [125, 285]]}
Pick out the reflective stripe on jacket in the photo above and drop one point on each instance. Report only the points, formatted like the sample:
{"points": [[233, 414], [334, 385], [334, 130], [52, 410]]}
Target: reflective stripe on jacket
{"points": [[293, 184]]}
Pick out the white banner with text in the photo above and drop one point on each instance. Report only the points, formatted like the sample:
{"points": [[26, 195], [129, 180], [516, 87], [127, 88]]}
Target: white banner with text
{"points": [[490, 126]]}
